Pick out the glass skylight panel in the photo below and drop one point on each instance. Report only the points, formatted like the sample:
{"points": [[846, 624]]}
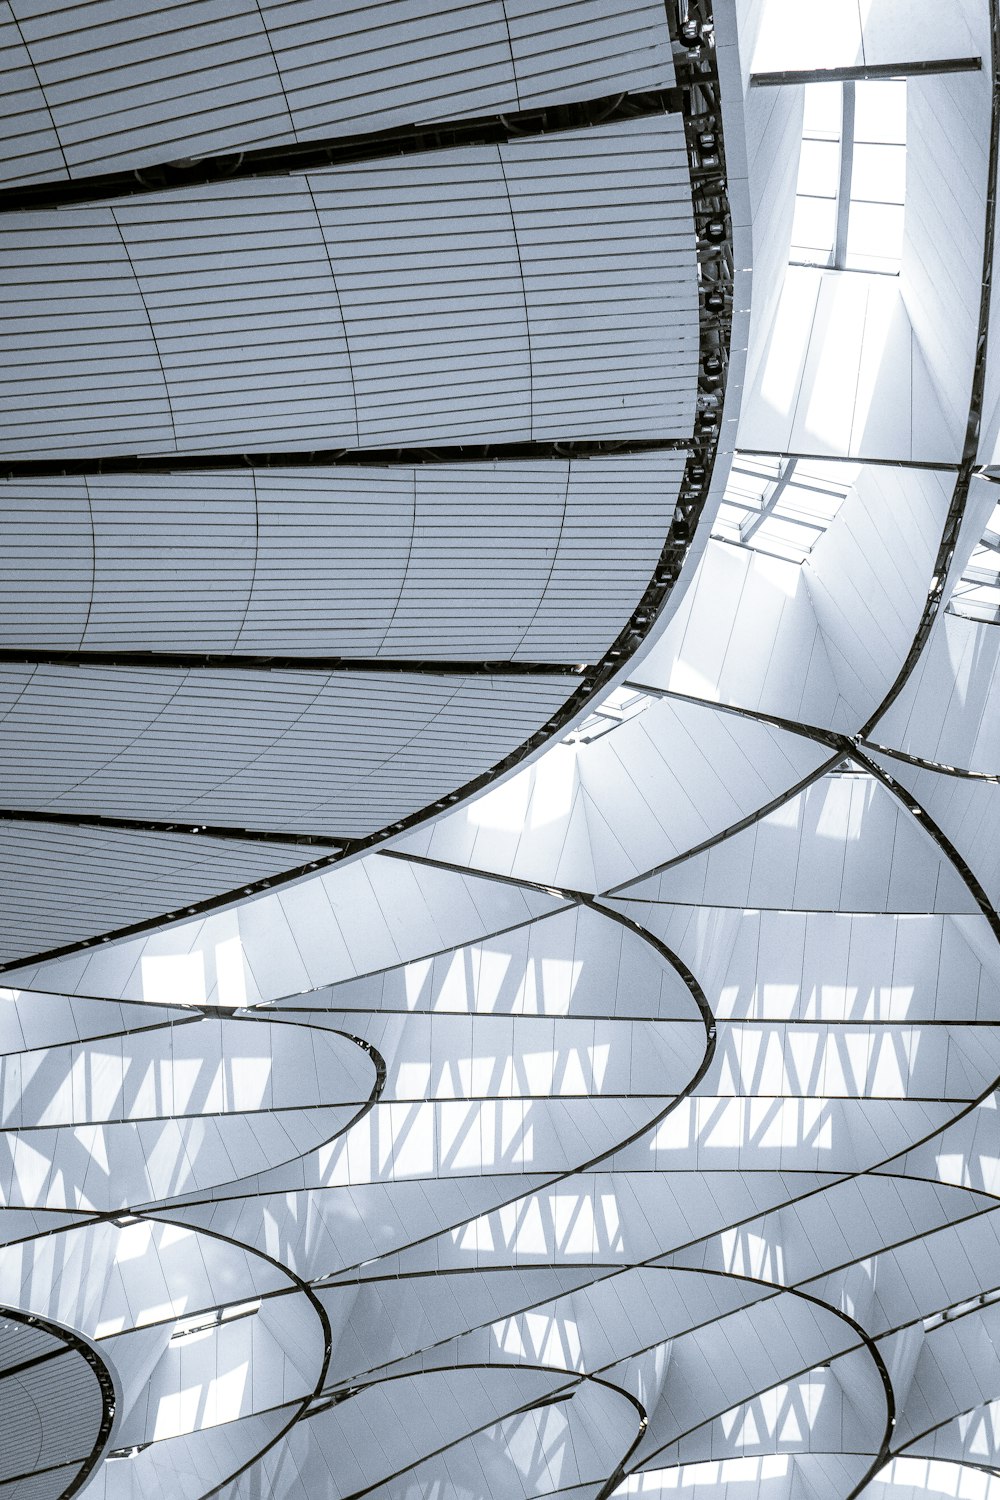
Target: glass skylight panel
{"points": [[878, 178], [814, 230], [203, 1322], [977, 593], [853, 140], [879, 110], [875, 238], [961, 1309], [781, 506], [619, 706], [878, 174]]}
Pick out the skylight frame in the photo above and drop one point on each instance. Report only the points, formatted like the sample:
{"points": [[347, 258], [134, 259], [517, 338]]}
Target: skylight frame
{"points": [[864, 123], [976, 595], [781, 506]]}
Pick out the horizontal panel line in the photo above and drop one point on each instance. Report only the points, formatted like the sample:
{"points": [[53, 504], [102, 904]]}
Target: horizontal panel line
{"points": [[317, 458], [227, 661], [863, 72], [376, 145], [146, 825]]}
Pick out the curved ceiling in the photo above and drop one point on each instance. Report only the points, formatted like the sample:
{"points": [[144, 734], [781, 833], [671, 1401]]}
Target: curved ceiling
{"points": [[499, 843], [57, 1404], [339, 458]]}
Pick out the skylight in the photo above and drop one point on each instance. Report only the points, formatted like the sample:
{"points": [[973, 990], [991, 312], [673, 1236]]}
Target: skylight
{"points": [[782, 506], [977, 593], [852, 177], [961, 1309], [619, 706], [202, 1322]]}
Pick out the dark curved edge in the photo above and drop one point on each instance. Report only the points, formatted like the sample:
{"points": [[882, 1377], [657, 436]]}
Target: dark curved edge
{"points": [[944, 843], [774, 1291], [164, 1212], [699, 99], [51, 818], [184, 1200], [854, 749], [675, 962], [134, 660], [375, 1093], [163, 1215], [857, 750], [615, 1479], [850, 752], [828, 765], [149, 1209], [962, 1463], [107, 1388], [884, 1451], [865, 1341], [671, 961], [572, 1382], [528, 450], [854, 752], [659, 1261], [318, 1309], [921, 763], [692, 984]]}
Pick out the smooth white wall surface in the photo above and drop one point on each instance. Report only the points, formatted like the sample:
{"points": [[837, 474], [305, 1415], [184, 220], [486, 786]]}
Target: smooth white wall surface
{"points": [[870, 573], [843, 374], [774, 135], [843, 844], [747, 634]]}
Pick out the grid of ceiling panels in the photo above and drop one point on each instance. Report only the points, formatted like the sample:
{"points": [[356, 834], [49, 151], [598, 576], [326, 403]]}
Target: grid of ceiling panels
{"points": [[535, 561], [51, 1412], [61, 885], [541, 289], [671, 1166], [100, 89], [339, 754]]}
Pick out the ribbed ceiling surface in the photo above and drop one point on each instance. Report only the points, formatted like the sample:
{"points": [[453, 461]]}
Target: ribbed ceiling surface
{"points": [[537, 287], [621, 1127], [91, 91]]}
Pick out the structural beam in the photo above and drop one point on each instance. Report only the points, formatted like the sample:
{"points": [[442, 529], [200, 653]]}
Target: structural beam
{"points": [[868, 72], [851, 458], [845, 178], [752, 525]]}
